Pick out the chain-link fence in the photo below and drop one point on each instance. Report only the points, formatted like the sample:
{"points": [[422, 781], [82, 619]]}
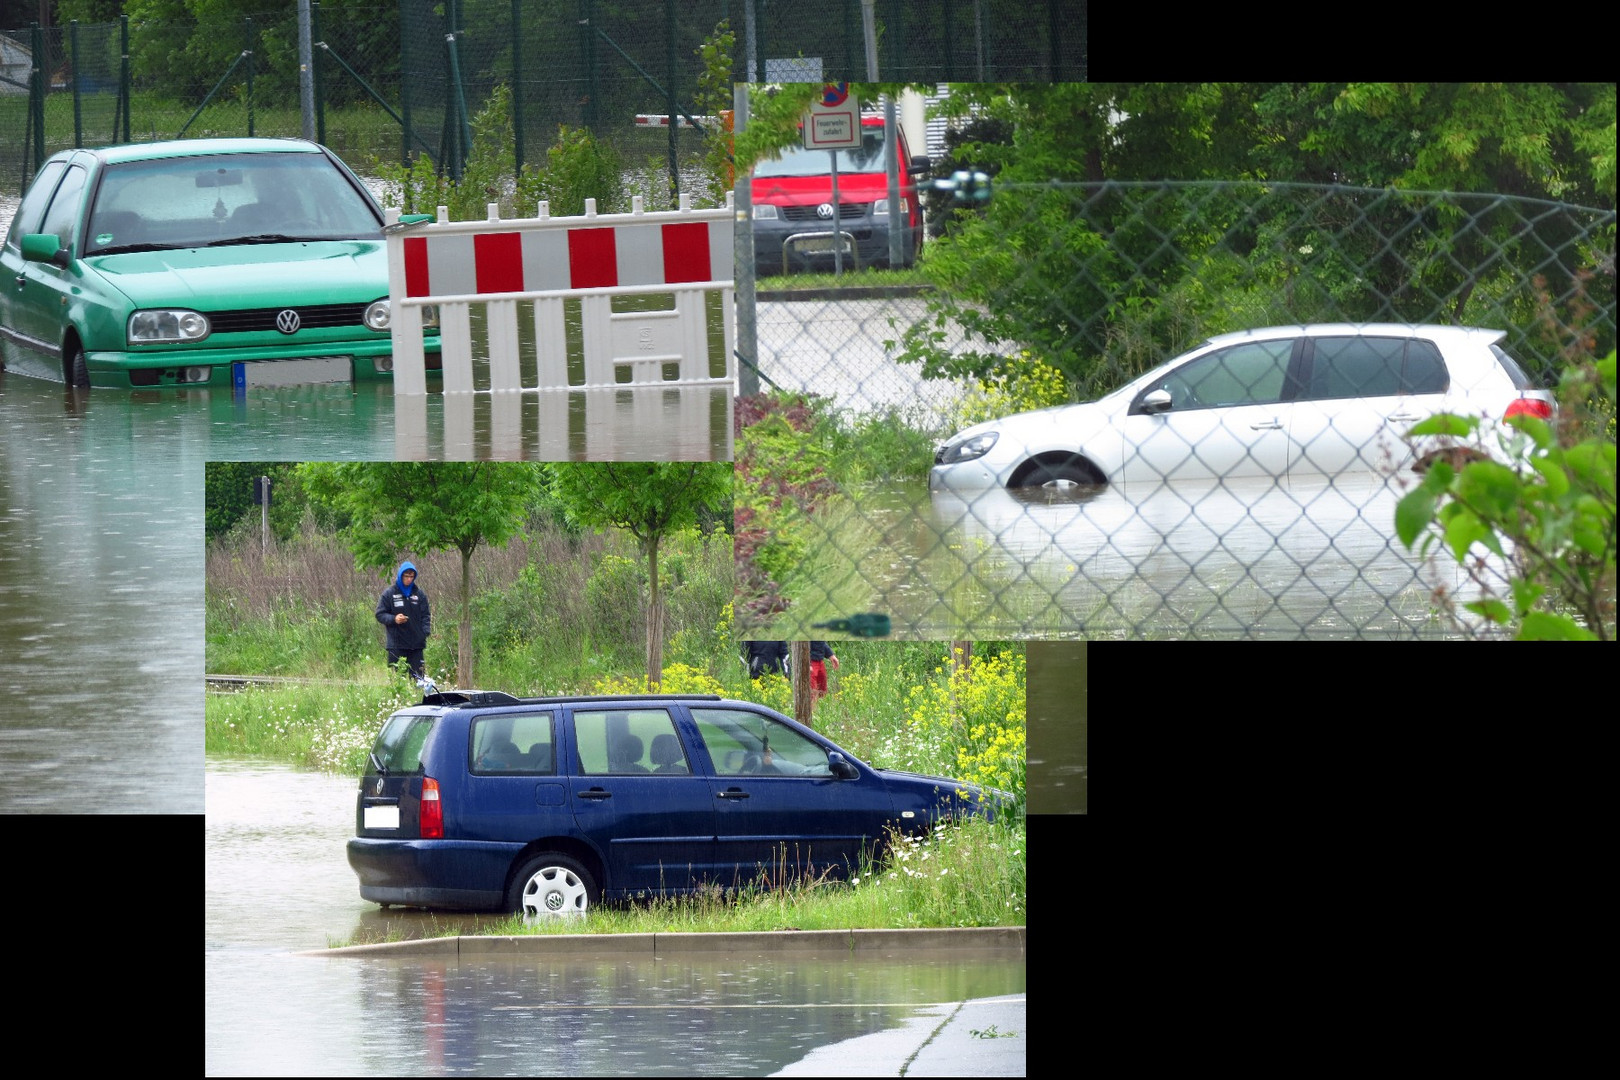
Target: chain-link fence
{"points": [[391, 81], [1257, 499]]}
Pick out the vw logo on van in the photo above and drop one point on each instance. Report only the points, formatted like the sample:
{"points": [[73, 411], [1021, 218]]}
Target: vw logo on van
{"points": [[287, 321], [825, 211]]}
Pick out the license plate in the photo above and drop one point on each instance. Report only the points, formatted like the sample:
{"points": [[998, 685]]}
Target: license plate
{"points": [[382, 817], [818, 244], [309, 369]]}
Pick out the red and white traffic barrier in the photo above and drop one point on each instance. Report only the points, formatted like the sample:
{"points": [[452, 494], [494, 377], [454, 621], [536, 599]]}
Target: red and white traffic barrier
{"points": [[547, 261]]}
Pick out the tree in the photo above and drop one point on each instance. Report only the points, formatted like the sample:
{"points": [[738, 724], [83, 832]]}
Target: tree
{"points": [[396, 508], [649, 500], [1095, 279]]}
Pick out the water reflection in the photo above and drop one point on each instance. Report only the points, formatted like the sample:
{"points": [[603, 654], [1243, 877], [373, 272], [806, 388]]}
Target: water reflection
{"points": [[1232, 559], [1058, 688], [278, 883]]}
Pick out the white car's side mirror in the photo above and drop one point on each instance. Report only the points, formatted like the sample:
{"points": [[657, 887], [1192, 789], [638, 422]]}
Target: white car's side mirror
{"points": [[1155, 401]]}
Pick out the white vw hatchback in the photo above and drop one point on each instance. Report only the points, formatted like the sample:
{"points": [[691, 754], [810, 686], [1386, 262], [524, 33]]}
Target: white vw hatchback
{"points": [[1301, 400]]}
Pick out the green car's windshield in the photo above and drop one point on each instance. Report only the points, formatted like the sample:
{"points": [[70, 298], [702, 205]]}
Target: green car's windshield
{"points": [[226, 199]]}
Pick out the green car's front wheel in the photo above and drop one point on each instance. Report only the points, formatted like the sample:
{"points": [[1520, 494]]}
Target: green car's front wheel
{"points": [[78, 372]]}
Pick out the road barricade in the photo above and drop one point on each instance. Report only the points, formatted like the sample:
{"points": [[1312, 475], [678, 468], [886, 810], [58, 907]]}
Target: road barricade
{"points": [[500, 265]]}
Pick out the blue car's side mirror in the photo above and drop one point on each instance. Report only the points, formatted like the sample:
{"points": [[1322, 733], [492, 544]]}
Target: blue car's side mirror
{"points": [[842, 768]]}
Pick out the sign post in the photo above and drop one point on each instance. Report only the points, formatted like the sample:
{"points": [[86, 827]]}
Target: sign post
{"points": [[833, 124]]}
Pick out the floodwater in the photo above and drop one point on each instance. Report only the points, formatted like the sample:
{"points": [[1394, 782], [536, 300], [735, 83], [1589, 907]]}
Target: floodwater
{"points": [[836, 348], [278, 885], [1057, 689], [101, 552], [1238, 559]]}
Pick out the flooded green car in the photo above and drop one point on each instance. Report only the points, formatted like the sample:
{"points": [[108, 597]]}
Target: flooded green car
{"points": [[216, 262]]}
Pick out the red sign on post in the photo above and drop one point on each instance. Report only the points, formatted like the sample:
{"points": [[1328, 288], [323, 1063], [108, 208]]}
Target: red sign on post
{"points": [[834, 120]]}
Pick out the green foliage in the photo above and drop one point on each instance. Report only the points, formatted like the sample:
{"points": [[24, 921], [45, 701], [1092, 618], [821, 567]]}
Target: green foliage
{"points": [[578, 167], [969, 722], [1549, 516], [1018, 388], [714, 98], [1104, 279], [228, 497], [781, 476]]}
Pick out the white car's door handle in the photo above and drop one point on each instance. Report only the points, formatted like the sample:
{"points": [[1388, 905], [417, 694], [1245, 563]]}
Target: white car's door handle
{"points": [[1267, 425]]}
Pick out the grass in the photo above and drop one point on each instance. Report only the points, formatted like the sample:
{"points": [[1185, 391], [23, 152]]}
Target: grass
{"points": [[966, 874], [849, 279]]}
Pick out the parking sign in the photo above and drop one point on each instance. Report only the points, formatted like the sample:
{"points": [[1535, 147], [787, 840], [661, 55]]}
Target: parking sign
{"points": [[834, 120]]}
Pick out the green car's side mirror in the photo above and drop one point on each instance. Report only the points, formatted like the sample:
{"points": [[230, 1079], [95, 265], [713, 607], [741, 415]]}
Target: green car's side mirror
{"points": [[44, 247]]}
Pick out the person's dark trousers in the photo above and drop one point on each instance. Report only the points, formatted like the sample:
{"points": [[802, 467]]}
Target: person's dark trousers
{"points": [[412, 658]]}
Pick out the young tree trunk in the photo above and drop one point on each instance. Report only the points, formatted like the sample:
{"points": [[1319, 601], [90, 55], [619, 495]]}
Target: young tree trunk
{"points": [[464, 653], [655, 621], [803, 698]]}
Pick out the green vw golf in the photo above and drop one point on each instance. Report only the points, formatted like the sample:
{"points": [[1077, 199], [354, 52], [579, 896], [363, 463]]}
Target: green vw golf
{"points": [[217, 262]]}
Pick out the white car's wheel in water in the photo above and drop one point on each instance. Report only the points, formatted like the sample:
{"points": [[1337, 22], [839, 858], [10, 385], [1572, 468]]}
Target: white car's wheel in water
{"points": [[551, 886]]}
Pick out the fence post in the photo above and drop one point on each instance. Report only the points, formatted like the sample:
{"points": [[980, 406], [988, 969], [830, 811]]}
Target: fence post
{"points": [[306, 72], [517, 87], [247, 51], [587, 45], [669, 85], [123, 76], [320, 93], [404, 93], [36, 103], [73, 51]]}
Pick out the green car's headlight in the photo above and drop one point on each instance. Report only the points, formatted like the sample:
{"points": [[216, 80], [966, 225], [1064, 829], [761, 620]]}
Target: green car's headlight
{"points": [[377, 315], [167, 327]]}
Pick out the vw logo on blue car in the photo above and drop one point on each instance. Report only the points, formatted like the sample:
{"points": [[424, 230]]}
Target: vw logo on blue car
{"points": [[287, 321]]}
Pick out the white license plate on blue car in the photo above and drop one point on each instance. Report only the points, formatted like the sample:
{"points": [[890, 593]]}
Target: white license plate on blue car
{"points": [[382, 817]]}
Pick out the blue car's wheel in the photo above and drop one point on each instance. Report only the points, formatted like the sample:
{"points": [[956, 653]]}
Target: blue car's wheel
{"points": [[550, 886]]}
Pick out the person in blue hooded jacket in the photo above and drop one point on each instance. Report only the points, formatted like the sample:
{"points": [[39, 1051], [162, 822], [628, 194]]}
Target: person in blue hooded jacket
{"points": [[404, 613]]}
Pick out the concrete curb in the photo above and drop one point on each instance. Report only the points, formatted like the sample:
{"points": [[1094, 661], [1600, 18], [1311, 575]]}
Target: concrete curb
{"points": [[868, 944]]}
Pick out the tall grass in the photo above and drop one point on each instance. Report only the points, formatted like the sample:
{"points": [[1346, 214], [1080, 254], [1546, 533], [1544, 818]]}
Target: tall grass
{"points": [[969, 873], [550, 611]]}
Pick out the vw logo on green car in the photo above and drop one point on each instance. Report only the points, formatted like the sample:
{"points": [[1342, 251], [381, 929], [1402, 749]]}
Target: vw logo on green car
{"points": [[216, 262]]}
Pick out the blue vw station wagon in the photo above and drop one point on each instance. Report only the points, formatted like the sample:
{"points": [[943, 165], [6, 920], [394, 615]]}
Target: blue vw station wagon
{"points": [[483, 801]]}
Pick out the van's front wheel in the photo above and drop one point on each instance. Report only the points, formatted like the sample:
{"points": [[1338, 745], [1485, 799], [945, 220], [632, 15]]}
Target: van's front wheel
{"points": [[551, 885]]}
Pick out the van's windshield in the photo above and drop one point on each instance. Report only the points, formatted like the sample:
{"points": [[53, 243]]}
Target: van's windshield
{"points": [[797, 161]]}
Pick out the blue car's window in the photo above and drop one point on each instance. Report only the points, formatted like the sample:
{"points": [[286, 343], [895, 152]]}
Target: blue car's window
{"points": [[63, 214], [399, 745], [742, 743], [620, 742], [33, 204], [514, 743], [227, 199]]}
